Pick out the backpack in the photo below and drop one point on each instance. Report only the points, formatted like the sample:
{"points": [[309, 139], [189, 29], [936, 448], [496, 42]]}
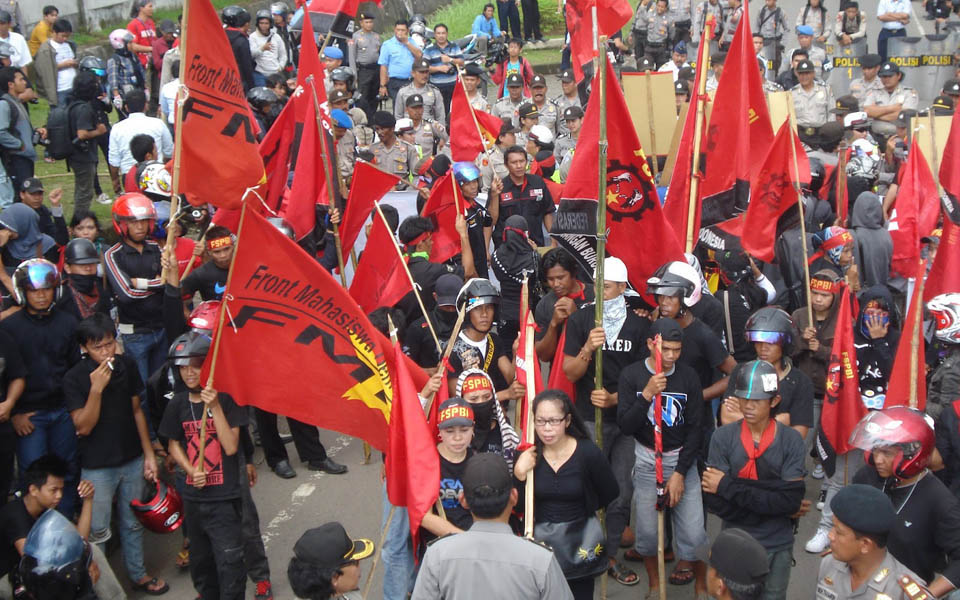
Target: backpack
{"points": [[61, 132]]}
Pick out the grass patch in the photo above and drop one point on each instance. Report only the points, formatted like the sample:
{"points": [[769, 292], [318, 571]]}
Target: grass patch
{"points": [[459, 17], [86, 38], [545, 56]]}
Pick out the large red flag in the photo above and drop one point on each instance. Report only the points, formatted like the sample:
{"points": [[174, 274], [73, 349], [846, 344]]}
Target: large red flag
{"points": [[381, 279], [217, 122], [441, 208], [321, 361], [412, 463], [944, 275], [634, 216], [898, 389], [612, 15], [915, 212], [276, 149], [369, 185], [299, 207], [950, 171], [774, 192], [470, 130], [842, 406], [739, 131]]}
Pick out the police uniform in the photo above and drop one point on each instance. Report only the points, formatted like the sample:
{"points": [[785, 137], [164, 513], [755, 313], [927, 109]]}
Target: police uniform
{"points": [[478, 102], [815, 54], [860, 88], [812, 107], [563, 146], [506, 109], [364, 50], [659, 33], [730, 26], [906, 96], [430, 135], [347, 154], [495, 165], [564, 168], [432, 101], [640, 26], [681, 15], [833, 583], [562, 103], [399, 159]]}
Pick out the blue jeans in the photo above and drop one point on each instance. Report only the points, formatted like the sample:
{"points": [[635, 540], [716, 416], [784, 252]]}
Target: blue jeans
{"points": [[259, 79], [397, 553], [149, 350], [126, 483], [53, 433], [775, 587], [62, 97]]}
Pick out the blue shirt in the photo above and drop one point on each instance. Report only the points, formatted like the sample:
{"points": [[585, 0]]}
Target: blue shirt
{"points": [[433, 53], [485, 27], [397, 58]]}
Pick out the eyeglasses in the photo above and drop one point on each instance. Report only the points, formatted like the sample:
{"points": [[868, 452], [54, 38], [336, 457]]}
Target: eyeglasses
{"points": [[550, 422]]}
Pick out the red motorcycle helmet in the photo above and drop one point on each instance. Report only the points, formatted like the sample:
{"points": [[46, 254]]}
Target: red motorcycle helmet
{"points": [[132, 207], [907, 430], [204, 316], [159, 508]]}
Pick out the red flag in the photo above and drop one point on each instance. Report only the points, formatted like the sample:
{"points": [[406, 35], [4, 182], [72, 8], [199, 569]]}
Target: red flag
{"points": [[381, 279], [612, 15], [945, 273], [217, 122], [466, 140], [276, 148], [774, 192], [634, 216], [369, 185], [441, 396], [842, 406], [558, 379], [898, 389], [281, 300], [915, 213], [739, 131], [441, 208], [299, 207], [522, 360], [412, 463], [310, 58], [950, 171]]}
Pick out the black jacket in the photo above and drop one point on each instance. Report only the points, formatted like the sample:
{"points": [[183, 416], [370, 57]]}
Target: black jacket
{"points": [[49, 348], [241, 52]]}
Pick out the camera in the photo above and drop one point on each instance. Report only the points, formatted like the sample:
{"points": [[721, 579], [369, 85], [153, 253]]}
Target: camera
{"points": [[38, 139]]}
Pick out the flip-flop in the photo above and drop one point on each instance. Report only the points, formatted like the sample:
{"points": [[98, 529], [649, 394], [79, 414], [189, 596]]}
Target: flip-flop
{"points": [[681, 576], [622, 574], [183, 558], [145, 587]]}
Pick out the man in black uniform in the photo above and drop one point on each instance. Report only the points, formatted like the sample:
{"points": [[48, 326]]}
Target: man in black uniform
{"points": [[522, 194], [210, 279]]}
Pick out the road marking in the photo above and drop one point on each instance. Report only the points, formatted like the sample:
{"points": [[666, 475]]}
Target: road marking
{"points": [[916, 19], [300, 495]]}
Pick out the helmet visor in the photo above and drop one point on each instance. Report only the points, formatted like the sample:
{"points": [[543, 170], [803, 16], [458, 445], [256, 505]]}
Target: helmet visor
{"points": [[767, 337], [190, 361], [41, 277], [876, 430]]}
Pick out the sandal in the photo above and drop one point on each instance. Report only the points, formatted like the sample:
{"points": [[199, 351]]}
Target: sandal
{"points": [[681, 576], [183, 558], [622, 574], [152, 591]]}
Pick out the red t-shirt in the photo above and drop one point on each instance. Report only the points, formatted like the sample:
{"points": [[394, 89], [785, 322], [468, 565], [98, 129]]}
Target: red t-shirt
{"points": [[143, 34]]}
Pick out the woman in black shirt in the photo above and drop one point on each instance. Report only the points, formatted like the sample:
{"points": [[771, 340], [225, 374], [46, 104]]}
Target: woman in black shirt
{"points": [[571, 478]]}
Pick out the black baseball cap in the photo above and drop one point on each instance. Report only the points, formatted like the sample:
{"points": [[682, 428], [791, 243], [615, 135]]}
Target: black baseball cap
{"points": [[572, 112], [645, 64], [538, 81], [167, 26], [514, 80], [486, 475], [473, 70], [668, 330], [864, 509], [382, 118], [942, 105], [951, 87], [567, 76], [805, 66], [454, 412], [846, 104], [31, 185], [680, 87], [421, 65], [903, 119], [507, 127], [447, 287], [330, 546], [736, 556], [528, 110], [414, 100], [869, 61], [888, 69], [363, 16], [338, 96]]}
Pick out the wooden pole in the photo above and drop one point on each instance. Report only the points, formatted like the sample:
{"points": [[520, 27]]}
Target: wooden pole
{"points": [[703, 62], [447, 351], [524, 307], [201, 242], [916, 334], [651, 127], [658, 451], [795, 180], [934, 159], [842, 203], [377, 550], [178, 129], [529, 356]]}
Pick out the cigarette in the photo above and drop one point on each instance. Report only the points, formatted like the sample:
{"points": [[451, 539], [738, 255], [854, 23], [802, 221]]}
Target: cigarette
{"points": [[110, 364]]}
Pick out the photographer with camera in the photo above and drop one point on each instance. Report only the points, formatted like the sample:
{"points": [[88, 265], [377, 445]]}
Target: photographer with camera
{"points": [[17, 135], [86, 128]]}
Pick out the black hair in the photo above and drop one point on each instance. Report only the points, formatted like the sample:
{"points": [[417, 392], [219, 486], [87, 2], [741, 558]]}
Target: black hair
{"points": [[311, 581], [275, 79], [513, 150], [50, 9], [175, 67], [390, 214], [486, 502], [86, 86], [217, 232], [577, 428], [135, 100], [141, 145], [80, 215], [743, 591], [880, 539], [412, 228], [48, 465], [62, 26], [137, 5], [378, 319], [441, 25], [488, 5], [7, 76], [94, 328], [799, 52], [516, 41], [401, 22], [558, 257]]}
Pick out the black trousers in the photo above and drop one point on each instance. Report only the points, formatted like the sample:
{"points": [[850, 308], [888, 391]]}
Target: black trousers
{"points": [[216, 549], [19, 168], [531, 19], [8, 450], [509, 15], [368, 84], [305, 437], [254, 553], [446, 92]]}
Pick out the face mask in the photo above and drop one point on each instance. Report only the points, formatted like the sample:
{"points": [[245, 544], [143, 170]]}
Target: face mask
{"points": [[447, 316], [483, 414], [84, 284]]}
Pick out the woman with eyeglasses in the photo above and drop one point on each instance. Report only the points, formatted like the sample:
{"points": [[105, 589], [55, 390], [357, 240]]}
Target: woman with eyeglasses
{"points": [[571, 482]]}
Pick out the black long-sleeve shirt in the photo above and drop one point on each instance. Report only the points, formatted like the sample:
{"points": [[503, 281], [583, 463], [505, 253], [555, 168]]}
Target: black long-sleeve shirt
{"points": [[48, 346], [143, 309], [682, 404]]}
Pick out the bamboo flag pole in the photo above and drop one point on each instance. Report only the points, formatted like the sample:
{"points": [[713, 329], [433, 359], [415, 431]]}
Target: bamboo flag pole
{"points": [[529, 356], [704, 60], [934, 159], [524, 307], [651, 127], [915, 335], [447, 351], [842, 203], [795, 180], [658, 457]]}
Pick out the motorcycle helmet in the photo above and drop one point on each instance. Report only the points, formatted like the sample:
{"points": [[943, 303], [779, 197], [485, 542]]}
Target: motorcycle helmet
{"points": [[770, 325], [261, 97], [80, 251], [119, 38], [196, 217], [945, 309], [343, 74], [279, 8], [36, 274], [756, 380], [158, 508], [204, 317], [676, 278], [154, 180], [132, 207], [190, 349], [283, 226], [234, 16], [907, 430], [55, 560], [163, 217], [93, 64], [263, 14], [816, 174], [465, 172], [477, 292]]}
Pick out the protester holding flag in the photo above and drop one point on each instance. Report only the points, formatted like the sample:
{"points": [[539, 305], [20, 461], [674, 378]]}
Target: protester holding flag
{"points": [[418, 342], [491, 432], [678, 390], [515, 263], [571, 481], [566, 294]]}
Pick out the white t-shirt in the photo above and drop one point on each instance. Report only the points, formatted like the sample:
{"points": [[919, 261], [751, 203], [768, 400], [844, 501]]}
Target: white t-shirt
{"points": [[64, 76], [21, 51]]}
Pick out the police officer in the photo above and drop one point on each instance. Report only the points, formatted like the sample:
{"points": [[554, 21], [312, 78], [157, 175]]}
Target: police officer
{"points": [[547, 110], [859, 565], [392, 154], [638, 32], [883, 106], [568, 98], [565, 144], [488, 556], [471, 83], [659, 32], [812, 101], [495, 165], [340, 99], [844, 106], [429, 134], [529, 116], [432, 99], [508, 107], [346, 142], [681, 15], [868, 82], [363, 51]]}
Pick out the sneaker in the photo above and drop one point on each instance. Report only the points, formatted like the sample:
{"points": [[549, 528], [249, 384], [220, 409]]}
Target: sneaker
{"points": [[821, 499], [818, 543], [817, 472], [103, 198], [263, 592]]}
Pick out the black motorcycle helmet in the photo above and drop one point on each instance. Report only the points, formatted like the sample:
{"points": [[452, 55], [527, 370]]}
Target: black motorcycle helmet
{"points": [[261, 97], [343, 74], [816, 174], [263, 14], [93, 64], [55, 560], [475, 293], [81, 251], [189, 349], [665, 283], [771, 325], [234, 16]]}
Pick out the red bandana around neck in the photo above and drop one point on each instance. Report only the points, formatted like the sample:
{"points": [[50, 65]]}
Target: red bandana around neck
{"points": [[749, 470]]}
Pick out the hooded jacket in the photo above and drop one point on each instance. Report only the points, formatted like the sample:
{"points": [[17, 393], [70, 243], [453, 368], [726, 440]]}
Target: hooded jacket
{"points": [[875, 356], [873, 248], [240, 45], [814, 364]]}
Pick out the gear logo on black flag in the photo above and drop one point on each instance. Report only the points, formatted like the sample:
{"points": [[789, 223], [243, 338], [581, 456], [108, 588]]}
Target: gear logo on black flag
{"points": [[629, 192]]}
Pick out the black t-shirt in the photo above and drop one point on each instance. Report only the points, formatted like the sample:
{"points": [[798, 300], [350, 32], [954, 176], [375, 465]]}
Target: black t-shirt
{"points": [[488, 441], [425, 275], [702, 351], [83, 117], [209, 279], [796, 395], [181, 422], [114, 440], [15, 524], [418, 342], [11, 365], [485, 356], [477, 219], [531, 200], [710, 310], [451, 486], [617, 355]]}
